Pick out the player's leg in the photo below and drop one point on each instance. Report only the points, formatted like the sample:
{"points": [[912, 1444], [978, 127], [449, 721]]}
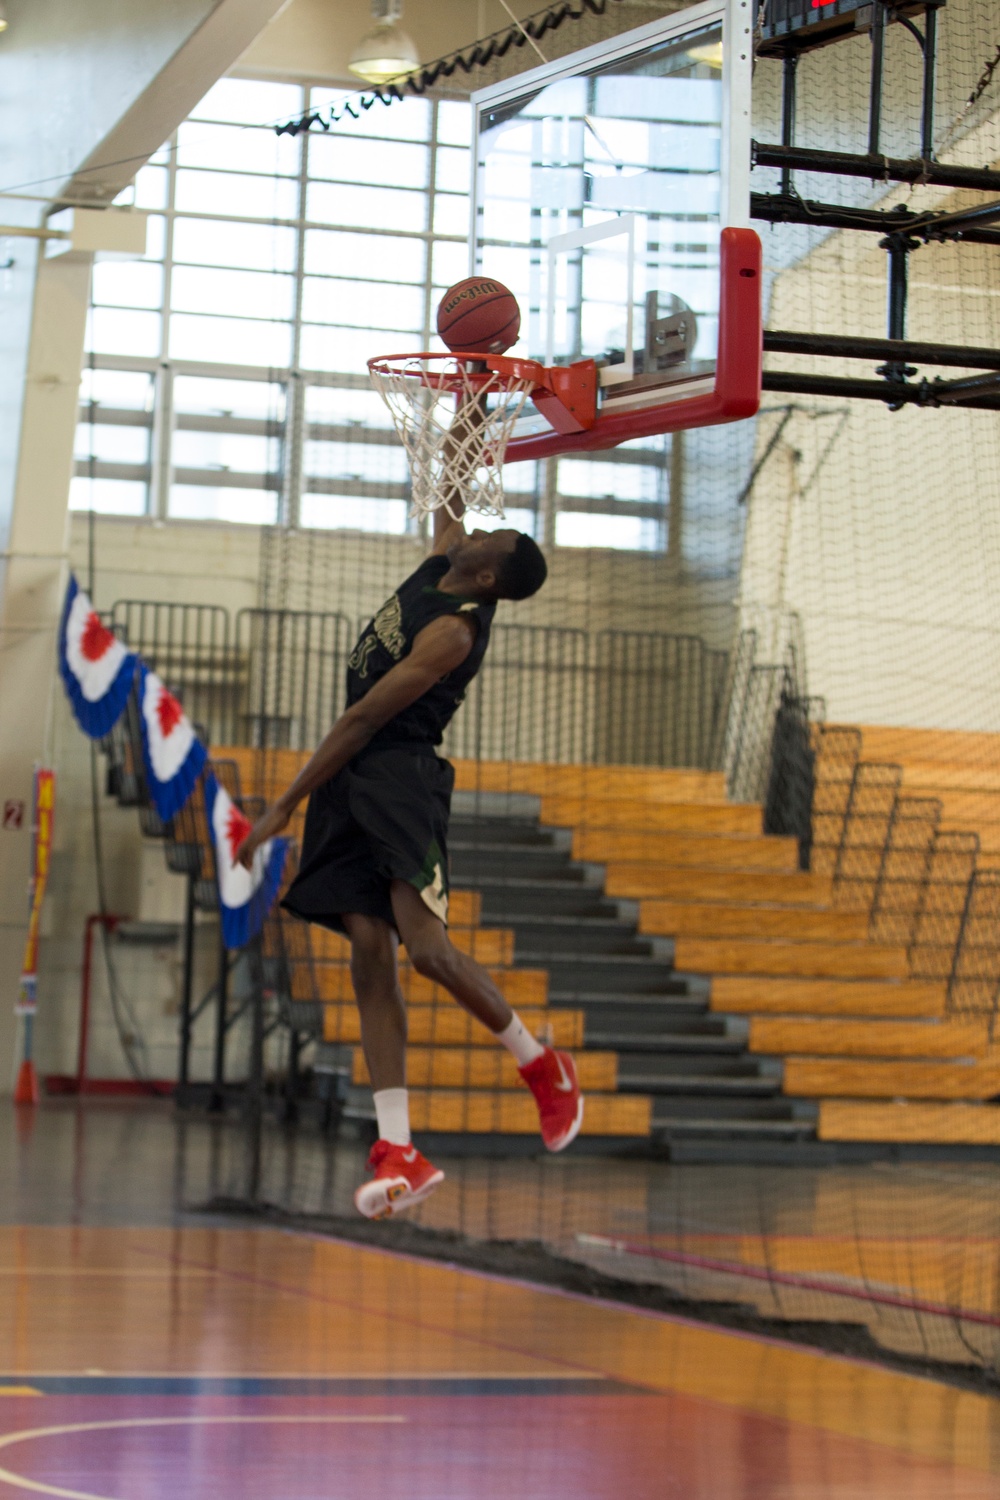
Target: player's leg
{"points": [[402, 1177], [550, 1075], [375, 979]]}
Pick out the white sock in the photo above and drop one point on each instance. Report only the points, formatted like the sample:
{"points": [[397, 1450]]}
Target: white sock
{"points": [[392, 1110], [519, 1041]]}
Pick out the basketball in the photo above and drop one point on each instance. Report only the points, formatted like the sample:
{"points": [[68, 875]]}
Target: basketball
{"points": [[478, 315]]}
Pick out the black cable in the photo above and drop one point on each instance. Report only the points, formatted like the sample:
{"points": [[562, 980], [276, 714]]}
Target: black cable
{"points": [[467, 59]]}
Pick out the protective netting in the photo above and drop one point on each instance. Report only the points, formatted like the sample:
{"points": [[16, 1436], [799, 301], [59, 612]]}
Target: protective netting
{"points": [[788, 625]]}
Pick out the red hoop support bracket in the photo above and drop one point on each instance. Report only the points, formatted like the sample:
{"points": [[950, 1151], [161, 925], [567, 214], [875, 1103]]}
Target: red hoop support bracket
{"points": [[738, 371]]}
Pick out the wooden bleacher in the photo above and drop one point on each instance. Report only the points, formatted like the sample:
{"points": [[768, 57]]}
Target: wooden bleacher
{"points": [[865, 1011]]}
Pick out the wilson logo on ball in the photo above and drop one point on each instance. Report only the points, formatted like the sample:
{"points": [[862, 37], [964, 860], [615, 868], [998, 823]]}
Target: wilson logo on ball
{"points": [[478, 316]]}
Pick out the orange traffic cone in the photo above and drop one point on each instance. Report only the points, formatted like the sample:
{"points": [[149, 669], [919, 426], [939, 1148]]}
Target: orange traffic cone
{"points": [[26, 1090]]}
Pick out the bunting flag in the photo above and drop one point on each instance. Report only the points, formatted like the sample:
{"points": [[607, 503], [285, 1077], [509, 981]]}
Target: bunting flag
{"points": [[173, 753], [96, 668], [245, 896]]}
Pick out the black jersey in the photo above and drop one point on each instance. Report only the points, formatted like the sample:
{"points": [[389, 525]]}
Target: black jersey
{"points": [[389, 637]]}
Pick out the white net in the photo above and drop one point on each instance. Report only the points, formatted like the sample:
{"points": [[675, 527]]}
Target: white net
{"points": [[455, 418]]}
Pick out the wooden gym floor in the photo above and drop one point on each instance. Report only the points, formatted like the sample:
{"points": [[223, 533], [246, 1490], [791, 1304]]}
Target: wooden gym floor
{"points": [[152, 1353]]}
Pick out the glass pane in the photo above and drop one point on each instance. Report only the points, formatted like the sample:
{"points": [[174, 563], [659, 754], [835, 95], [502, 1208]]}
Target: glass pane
{"points": [[231, 149], [521, 520], [128, 283], [383, 257], [451, 214], [354, 512], [520, 479], [148, 190], [225, 450], [587, 476], [403, 120], [453, 168], [111, 444], [390, 163], [230, 341], [632, 533], [250, 101], [229, 193], [371, 304], [110, 331], [454, 123], [229, 398], [199, 289], [381, 208], [112, 497], [196, 502], [451, 263], [156, 237], [348, 350], [378, 462], [120, 388], [259, 247], [324, 403]]}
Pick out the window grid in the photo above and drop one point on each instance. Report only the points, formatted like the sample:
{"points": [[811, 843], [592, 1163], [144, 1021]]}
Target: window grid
{"points": [[290, 475]]}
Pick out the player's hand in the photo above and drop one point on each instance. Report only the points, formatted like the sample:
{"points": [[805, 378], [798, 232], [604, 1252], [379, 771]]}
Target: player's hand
{"points": [[273, 821]]}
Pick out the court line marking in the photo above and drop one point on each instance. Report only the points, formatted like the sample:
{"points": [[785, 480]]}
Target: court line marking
{"points": [[18, 1481]]}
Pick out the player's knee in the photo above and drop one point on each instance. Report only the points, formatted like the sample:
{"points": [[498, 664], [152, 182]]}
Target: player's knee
{"points": [[373, 960], [433, 957]]}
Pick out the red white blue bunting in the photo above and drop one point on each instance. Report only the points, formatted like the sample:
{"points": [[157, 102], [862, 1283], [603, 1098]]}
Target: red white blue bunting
{"points": [[96, 668], [245, 896], [173, 753]]}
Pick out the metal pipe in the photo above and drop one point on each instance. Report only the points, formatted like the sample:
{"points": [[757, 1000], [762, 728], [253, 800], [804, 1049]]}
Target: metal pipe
{"points": [[899, 256], [789, 70], [218, 1095], [878, 65], [846, 346], [883, 168], [187, 981], [776, 208], [950, 391], [920, 393], [935, 224], [930, 68]]}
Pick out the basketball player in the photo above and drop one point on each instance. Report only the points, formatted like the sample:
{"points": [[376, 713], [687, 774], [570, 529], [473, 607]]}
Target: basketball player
{"points": [[374, 854]]}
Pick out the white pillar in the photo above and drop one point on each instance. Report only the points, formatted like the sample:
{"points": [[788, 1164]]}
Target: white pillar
{"points": [[33, 584]]}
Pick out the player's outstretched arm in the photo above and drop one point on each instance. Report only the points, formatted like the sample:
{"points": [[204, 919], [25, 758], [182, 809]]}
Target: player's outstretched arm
{"points": [[438, 649], [449, 518]]}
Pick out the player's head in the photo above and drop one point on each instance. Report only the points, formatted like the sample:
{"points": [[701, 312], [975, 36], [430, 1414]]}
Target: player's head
{"points": [[504, 564]]}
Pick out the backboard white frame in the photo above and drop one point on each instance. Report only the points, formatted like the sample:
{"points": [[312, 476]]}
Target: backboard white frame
{"points": [[564, 244], [736, 19]]}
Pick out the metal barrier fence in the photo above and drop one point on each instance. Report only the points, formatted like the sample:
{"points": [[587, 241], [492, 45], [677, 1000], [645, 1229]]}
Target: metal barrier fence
{"points": [[275, 678]]}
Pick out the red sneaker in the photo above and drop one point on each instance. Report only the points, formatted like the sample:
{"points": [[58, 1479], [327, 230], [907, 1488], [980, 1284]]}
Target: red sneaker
{"points": [[552, 1079], [402, 1179]]}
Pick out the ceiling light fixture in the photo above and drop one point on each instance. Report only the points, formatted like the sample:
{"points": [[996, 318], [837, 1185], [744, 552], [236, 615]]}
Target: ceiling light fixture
{"points": [[385, 52], [4, 22]]}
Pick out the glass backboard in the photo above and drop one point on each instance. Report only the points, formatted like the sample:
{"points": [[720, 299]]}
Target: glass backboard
{"points": [[603, 185]]}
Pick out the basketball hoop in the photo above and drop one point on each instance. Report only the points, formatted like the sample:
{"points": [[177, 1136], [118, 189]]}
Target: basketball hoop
{"points": [[455, 415]]}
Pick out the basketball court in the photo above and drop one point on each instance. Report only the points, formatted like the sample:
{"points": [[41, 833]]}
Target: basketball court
{"points": [[656, 348]]}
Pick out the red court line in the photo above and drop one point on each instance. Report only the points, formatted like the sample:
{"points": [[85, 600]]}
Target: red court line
{"points": [[793, 1279]]}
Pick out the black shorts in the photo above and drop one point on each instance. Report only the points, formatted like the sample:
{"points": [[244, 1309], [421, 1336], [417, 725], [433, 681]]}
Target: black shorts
{"points": [[384, 817]]}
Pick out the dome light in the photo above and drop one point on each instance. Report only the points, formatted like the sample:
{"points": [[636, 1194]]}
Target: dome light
{"points": [[385, 52]]}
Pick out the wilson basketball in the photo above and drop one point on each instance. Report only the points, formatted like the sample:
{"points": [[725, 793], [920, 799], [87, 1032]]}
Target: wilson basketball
{"points": [[478, 315]]}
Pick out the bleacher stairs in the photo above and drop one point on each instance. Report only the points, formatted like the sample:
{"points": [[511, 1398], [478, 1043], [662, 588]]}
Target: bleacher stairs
{"points": [[723, 1003]]}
